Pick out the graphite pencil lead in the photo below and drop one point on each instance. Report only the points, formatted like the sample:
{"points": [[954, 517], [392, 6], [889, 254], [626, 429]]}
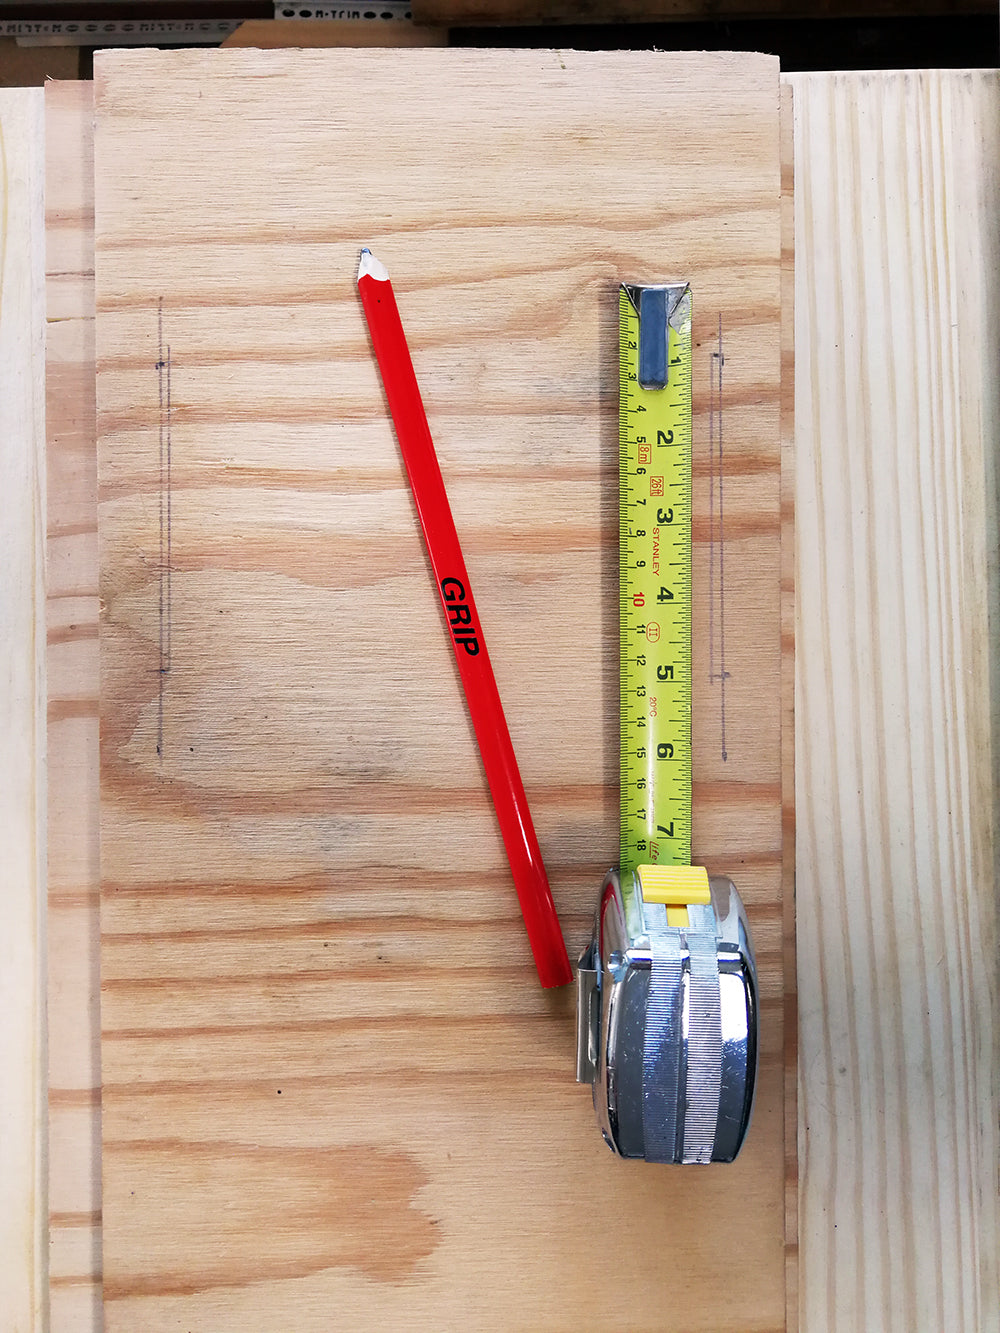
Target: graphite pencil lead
{"points": [[370, 267]]}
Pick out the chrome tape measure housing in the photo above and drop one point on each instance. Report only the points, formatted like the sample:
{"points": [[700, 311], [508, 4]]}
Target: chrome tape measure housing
{"points": [[667, 1024]]}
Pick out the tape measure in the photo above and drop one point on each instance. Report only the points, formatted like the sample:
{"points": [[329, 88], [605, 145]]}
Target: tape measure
{"points": [[655, 573], [667, 986]]}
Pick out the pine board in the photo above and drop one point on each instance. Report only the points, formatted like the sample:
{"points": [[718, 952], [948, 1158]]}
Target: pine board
{"points": [[897, 429], [73, 927], [333, 1091], [22, 712]]}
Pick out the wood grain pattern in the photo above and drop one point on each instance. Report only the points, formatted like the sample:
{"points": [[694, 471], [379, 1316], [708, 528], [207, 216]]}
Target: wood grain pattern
{"points": [[897, 428], [334, 1095], [22, 712], [73, 945], [832, 1293]]}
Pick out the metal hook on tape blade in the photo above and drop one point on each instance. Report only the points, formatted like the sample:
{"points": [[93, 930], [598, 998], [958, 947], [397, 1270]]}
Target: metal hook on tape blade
{"points": [[657, 308]]}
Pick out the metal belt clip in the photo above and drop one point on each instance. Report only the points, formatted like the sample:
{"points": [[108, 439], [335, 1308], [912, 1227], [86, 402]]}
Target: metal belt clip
{"points": [[667, 1016]]}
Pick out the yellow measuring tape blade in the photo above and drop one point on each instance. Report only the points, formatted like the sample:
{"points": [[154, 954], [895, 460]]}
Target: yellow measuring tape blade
{"points": [[655, 572]]}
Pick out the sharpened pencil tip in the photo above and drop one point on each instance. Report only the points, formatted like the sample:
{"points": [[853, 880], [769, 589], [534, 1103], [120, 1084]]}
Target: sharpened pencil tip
{"points": [[370, 267]]}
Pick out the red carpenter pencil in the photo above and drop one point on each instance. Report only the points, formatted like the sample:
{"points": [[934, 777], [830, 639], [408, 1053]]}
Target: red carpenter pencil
{"points": [[455, 591]]}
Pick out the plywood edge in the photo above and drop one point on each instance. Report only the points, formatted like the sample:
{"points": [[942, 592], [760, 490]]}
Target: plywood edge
{"points": [[235, 60]]}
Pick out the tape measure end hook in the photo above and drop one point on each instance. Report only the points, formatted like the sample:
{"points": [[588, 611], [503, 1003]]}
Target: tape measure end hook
{"points": [[655, 307]]}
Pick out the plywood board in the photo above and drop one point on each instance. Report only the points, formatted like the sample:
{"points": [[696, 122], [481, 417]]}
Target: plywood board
{"points": [[897, 432], [334, 1094], [22, 712], [73, 937]]}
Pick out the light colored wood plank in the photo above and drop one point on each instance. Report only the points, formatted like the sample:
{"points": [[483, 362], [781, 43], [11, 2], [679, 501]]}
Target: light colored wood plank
{"points": [[331, 1082], [22, 712], [897, 327], [74, 1181]]}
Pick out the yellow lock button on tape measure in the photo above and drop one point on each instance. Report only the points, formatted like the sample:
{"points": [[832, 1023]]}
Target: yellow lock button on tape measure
{"points": [[667, 987]]}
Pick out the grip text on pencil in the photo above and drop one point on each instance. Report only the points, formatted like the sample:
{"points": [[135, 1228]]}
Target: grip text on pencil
{"points": [[459, 615]]}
